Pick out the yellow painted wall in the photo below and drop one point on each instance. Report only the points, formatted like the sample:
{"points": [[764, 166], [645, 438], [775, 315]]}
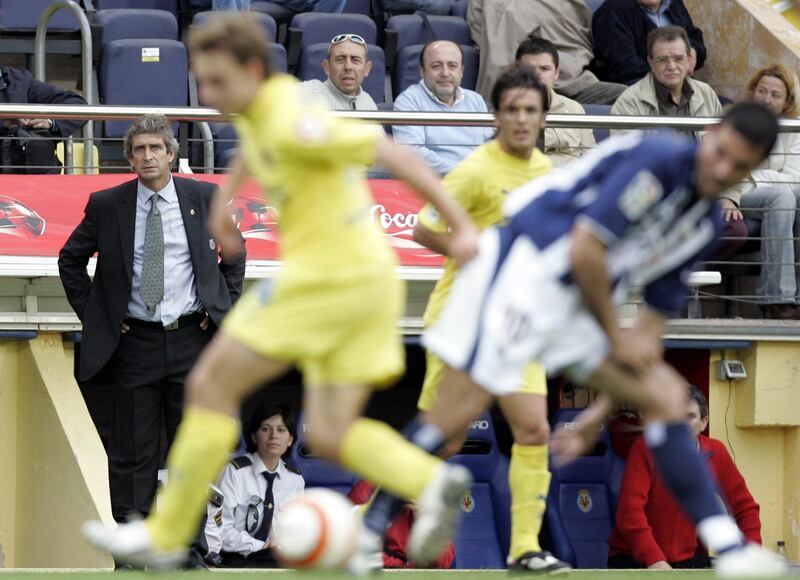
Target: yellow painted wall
{"points": [[758, 420], [59, 465], [8, 444], [741, 36]]}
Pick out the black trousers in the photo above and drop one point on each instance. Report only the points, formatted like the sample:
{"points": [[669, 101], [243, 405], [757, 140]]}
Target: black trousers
{"points": [[148, 367], [627, 562], [260, 559]]}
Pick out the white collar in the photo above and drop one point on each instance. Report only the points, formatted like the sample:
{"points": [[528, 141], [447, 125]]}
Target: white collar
{"points": [[459, 95], [168, 193]]}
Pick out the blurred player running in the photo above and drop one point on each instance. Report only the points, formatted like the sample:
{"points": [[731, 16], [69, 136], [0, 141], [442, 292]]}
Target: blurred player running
{"points": [[480, 184], [332, 311], [545, 286]]}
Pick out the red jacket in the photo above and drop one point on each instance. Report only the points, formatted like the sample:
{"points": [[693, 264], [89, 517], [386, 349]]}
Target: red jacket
{"points": [[651, 526], [396, 540]]}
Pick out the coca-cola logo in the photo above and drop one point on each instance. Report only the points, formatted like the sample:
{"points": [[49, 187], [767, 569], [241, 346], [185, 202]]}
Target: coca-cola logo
{"points": [[399, 220]]}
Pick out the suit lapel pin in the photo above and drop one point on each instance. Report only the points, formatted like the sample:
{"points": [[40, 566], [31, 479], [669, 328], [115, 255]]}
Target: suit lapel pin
{"points": [[191, 211], [212, 244]]}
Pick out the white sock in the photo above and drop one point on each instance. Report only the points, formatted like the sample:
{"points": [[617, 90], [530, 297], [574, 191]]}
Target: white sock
{"points": [[719, 533]]}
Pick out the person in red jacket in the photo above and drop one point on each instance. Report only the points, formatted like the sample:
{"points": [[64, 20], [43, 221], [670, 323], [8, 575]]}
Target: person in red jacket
{"points": [[651, 529], [396, 540]]}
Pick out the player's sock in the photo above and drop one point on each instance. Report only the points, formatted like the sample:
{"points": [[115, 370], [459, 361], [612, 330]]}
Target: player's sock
{"points": [[529, 480], [381, 455], [201, 448], [385, 506], [686, 474]]}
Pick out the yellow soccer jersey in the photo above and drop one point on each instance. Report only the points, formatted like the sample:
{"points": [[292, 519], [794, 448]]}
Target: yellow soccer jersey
{"points": [[310, 165], [479, 184]]}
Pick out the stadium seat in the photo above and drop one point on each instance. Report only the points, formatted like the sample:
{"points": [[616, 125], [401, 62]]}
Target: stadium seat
{"points": [[310, 67], [23, 15], [225, 144], [267, 21], [131, 23], [316, 472], [594, 4], [168, 5], [142, 72], [317, 27], [406, 68], [582, 502], [460, 8], [483, 537], [410, 29], [279, 58], [600, 134], [358, 7]]}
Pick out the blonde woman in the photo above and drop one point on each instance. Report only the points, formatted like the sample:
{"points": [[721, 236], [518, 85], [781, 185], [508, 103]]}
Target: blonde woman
{"points": [[772, 196]]}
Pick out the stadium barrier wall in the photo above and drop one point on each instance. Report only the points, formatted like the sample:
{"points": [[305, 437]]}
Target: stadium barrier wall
{"points": [[768, 38], [758, 418], [54, 469]]}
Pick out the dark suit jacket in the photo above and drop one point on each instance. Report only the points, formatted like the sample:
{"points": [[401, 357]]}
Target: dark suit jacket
{"points": [[620, 29], [108, 229], [20, 86]]}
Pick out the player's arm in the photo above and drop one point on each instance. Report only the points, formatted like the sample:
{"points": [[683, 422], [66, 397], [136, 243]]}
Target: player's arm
{"points": [[221, 226], [435, 241], [462, 244]]}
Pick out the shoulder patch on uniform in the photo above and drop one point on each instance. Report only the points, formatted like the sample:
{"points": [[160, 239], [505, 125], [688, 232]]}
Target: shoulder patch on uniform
{"points": [[218, 519], [241, 461], [215, 498], [310, 128], [293, 468], [643, 191]]}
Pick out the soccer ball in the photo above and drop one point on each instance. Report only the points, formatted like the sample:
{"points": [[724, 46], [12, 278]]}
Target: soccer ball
{"points": [[316, 530]]}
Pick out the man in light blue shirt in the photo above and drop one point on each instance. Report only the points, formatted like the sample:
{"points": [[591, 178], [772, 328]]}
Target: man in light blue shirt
{"points": [[441, 68]]}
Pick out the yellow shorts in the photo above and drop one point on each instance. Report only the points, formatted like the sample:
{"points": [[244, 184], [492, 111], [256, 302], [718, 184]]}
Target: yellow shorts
{"points": [[337, 333], [534, 383]]}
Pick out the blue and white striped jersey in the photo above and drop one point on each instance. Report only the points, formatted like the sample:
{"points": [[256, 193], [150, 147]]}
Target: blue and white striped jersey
{"points": [[636, 194]]}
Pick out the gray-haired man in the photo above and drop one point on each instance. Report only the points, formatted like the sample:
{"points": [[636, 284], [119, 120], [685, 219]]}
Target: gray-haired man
{"points": [[158, 292]]}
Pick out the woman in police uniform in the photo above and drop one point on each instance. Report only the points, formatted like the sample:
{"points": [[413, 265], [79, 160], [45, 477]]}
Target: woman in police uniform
{"points": [[251, 491]]}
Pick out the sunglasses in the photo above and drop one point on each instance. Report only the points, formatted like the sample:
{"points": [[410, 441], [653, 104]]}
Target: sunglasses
{"points": [[339, 38]]}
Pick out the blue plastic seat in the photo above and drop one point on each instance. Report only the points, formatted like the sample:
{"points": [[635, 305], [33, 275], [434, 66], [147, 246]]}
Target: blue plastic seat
{"points": [[358, 7], [319, 27], [460, 8], [168, 5], [583, 501], [267, 21], [410, 29], [406, 68], [599, 133], [131, 23], [279, 58], [482, 538], [23, 15], [144, 73], [310, 67], [316, 472]]}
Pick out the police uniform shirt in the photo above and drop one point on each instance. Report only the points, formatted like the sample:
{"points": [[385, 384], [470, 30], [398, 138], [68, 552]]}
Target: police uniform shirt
{"points": [[242, 487]]}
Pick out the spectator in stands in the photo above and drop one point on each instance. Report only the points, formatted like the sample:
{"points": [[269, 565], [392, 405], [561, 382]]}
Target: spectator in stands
{"points": [[772, 195], [29, 145], [158, 293], [346, 66], [311, 5], [396, 540], [499, 26], [667, 89], [651, 529], [441, 65], [560, 145], [620, 36], [252, 491]]}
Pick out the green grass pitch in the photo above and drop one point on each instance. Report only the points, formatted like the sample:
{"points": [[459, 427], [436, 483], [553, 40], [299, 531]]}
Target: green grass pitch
{"points": [[389, 575]]}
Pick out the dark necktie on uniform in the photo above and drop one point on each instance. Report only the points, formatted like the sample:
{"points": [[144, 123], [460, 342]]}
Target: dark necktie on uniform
{"points": [[152, 287], [262, 533]]}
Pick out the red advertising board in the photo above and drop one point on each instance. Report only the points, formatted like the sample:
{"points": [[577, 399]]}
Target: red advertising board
{"points": [[38, 212]]}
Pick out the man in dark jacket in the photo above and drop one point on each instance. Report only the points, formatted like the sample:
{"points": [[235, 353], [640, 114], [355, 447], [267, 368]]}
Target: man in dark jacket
{"points": [[620, 29], [19, 86]]}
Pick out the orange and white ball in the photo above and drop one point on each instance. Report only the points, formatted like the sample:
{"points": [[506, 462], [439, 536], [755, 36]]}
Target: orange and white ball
{"points": [[317, 530]]}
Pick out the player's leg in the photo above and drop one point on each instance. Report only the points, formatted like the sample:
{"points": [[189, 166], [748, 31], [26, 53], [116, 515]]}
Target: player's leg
{"points": [[225, 372]]}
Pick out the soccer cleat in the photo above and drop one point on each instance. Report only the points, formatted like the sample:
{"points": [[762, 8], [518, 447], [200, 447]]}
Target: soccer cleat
{"points": [[368, 556], [538, 563], [131, 544], [750, 561], [439, 508]]}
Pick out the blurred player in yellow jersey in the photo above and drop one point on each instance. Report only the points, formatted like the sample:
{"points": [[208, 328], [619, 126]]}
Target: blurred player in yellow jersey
{"points": [[332, 311], [480, 184]]}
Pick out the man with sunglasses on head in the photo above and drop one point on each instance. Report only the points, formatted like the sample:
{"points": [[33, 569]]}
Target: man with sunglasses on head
{"points": [[346, 67]]}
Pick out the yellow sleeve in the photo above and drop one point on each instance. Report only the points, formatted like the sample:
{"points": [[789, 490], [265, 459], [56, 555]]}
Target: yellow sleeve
{"points": [[311, 135], [463, 185]]}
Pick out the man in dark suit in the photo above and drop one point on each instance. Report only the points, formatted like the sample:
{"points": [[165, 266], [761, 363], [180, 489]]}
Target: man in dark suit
{"points": [[39, 135], [158, 292]]}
